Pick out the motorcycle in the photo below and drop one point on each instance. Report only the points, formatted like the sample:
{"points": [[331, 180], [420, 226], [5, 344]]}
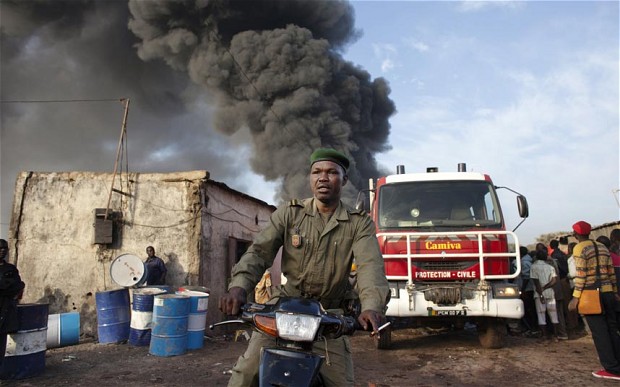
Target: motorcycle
{"points": [[295, 323]]}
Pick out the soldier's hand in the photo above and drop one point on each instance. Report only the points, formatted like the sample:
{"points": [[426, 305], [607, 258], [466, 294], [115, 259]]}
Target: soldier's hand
{"points": [[231, 302], [370, 319]]}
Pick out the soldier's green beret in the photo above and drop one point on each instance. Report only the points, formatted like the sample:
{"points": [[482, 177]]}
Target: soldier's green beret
{"points": [[328, 154]]}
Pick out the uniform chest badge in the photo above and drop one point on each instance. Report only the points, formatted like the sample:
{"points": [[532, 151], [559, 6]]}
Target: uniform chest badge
{"points": [[296, 238]]}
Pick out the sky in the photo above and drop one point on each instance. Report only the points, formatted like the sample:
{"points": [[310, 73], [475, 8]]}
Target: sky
{"points": [[527, 92]]}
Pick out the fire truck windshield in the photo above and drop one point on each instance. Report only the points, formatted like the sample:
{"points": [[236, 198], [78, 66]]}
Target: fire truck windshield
{"points": [[453, 204]]}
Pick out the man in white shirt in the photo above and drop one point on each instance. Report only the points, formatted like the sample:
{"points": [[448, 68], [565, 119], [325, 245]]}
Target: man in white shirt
{"points": [[544, 277]]}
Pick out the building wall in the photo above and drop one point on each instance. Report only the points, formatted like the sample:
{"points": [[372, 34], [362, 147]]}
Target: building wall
{"points": [[231, 222], [51, 233], [604, 229], [196, 225]]}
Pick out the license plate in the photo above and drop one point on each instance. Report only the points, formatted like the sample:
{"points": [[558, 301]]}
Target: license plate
{"points": [[444, 312]]}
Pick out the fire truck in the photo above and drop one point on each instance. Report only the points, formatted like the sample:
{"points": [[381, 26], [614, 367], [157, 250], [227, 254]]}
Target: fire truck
{"points": [[447, 253]]}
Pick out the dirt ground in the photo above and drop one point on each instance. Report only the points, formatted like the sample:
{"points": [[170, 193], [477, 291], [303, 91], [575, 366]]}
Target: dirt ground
{"points": [[417, 358]]}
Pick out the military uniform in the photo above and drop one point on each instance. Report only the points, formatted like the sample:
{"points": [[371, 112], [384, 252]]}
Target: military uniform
{"points": [[316, 261]]}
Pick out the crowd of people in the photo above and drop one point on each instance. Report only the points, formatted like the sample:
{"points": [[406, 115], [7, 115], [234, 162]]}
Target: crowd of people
{"points": [[545, 290], [552, 279]]}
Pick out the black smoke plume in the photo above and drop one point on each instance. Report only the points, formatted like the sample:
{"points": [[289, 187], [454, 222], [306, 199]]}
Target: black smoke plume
{"points": [[276, 69]]}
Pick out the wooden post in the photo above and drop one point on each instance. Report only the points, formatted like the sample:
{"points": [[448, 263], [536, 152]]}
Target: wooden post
{"points": [[118, 152]]}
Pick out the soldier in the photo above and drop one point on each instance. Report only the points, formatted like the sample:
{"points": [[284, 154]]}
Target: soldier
{"points": [[319, 237]]}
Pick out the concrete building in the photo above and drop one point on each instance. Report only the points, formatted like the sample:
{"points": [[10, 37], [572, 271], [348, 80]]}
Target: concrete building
{"points": [[67, 228]]}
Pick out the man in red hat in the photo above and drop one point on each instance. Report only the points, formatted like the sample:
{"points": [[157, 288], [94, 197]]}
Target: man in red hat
{"points": [[595, 269]]}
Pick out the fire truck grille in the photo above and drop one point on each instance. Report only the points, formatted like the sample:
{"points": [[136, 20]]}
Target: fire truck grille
{"points": [[445, 265], [443, 296]]}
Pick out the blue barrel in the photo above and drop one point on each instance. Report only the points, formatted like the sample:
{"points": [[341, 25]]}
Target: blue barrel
{"points": [[63, 329], [113, 316], [69, 328], [197, 321], [25, 349], [169, 331], [142, 315]]}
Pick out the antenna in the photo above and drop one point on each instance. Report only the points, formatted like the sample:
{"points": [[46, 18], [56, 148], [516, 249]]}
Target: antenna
{"points": [[118, 152]]}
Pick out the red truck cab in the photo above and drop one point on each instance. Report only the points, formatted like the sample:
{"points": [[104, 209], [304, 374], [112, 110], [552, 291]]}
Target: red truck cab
{"points": [[447, 252]]}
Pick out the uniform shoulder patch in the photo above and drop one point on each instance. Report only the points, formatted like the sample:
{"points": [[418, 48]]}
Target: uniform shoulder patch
{"points": [[354, 211], [295, 203]]}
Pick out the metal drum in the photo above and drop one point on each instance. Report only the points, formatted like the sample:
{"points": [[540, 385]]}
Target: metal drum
{"points": [[170, 318], [199, 301], [142, 315], [128, 270], [113, 316], [167, 289], [196, 288], [25, 349], [63, 329]]}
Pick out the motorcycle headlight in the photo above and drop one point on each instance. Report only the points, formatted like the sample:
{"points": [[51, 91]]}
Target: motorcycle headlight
{"points": [[297, 327], [505, 290]]}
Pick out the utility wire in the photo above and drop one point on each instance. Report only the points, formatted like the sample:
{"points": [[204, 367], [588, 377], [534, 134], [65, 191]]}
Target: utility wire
{"points": [[62, 100]]}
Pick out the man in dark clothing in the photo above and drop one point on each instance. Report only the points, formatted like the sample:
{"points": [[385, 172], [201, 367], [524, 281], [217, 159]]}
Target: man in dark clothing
{"points": [[155, 268], [560, 257], [530, 318], [562, 290], [11, 288]]}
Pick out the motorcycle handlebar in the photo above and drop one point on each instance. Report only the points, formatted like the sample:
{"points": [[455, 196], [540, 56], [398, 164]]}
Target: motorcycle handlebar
{"points": [[348, 324]]}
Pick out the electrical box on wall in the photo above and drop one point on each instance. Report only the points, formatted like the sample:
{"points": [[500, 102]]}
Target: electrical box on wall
{"points": [[106, 230]]}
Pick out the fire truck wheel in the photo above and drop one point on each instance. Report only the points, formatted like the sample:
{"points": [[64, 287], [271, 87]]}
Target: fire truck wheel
{"points": [[492, 333], [385, 339]]}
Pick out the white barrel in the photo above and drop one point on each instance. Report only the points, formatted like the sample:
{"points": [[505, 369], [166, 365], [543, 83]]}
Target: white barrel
{"points": [[128, 270], [142, 315]]}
